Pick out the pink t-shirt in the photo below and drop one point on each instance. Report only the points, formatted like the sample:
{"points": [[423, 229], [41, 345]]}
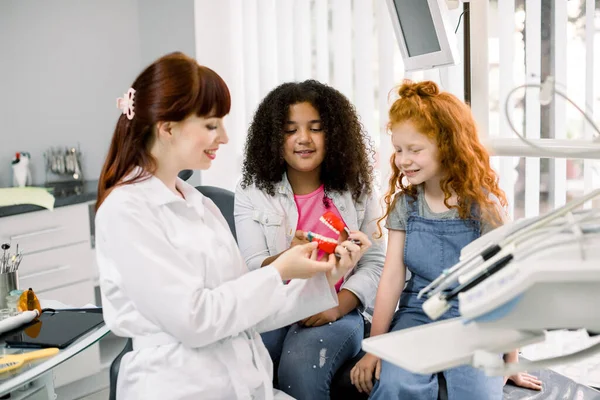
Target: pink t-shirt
{"points": [[310, 209]]}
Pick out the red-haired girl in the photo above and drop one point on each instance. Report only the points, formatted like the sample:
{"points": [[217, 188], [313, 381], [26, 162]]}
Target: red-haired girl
{"points": [[443, 195]]}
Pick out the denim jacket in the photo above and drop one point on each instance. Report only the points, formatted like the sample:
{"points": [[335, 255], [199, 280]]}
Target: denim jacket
{"points": [[265, 226]]}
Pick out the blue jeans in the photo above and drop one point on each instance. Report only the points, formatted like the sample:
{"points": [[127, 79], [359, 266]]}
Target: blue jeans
{"points": [[463, 383], [309, 357]]}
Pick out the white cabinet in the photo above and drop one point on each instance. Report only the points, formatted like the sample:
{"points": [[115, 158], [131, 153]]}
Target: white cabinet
{"points": [[58, 264], [62, 266], [56, 247], [44, 230]]}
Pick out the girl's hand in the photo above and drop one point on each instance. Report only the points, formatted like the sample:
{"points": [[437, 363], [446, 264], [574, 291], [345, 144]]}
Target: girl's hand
{"points": [[349, 253], [300, 262], [322, 318], [361, 375], [524, 380], [299, 238]]}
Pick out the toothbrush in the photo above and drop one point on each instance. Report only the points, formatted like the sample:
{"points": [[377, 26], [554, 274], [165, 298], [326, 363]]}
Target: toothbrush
{"points": [[14, 361]]}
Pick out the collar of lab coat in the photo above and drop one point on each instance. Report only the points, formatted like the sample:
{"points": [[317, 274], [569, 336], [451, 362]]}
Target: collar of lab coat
{"points": [[159, 194]]}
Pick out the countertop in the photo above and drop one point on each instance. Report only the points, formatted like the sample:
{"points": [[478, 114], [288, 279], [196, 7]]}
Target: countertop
{"points": [[88, 192]]}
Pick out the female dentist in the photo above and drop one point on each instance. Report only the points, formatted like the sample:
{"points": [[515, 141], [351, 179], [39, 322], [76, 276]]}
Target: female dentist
{"points": [[171, 275]]}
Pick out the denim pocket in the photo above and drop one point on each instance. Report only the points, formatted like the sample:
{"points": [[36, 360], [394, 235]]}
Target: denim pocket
{"points": [[271, 224]]}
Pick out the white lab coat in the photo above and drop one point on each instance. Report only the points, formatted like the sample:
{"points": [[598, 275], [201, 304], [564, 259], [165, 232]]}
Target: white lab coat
{"points": [[172, 278]]}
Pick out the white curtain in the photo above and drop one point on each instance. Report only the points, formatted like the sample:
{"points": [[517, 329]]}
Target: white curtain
{"points": [[256, 45]]}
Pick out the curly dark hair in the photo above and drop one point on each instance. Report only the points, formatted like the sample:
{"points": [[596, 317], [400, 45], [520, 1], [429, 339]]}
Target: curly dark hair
{"points": [[346, 166]]}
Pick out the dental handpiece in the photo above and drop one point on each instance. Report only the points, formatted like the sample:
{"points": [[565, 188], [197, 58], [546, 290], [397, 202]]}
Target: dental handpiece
{"points": [[476, 280], [475, 272], [437, 305], [571, 223], [446, 279]]}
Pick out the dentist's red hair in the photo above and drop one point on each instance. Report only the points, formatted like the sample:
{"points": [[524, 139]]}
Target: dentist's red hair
{"points": [[449, 122], [170, 89]]}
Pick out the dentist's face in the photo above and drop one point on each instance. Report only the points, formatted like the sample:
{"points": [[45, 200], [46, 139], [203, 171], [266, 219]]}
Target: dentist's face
{"points": [[304, 142], [195, 141]]}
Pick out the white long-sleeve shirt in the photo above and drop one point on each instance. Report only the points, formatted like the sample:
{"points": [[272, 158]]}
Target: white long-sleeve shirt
{"points": [[172, 278]]}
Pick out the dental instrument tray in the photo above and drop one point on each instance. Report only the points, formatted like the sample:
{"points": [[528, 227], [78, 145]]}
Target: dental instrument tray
{"points": [[58, 328], [441, 345]]}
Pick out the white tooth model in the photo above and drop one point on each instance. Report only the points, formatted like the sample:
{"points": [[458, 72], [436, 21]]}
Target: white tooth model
{"points": [[512, 285]]}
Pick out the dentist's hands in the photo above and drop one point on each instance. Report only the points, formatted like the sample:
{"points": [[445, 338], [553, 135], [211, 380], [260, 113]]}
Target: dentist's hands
{"points": [[349, 253], [300, 262]]}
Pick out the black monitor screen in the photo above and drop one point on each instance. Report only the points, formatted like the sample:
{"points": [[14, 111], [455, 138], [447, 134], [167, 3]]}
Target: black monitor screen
{"points": [[417, 27]]}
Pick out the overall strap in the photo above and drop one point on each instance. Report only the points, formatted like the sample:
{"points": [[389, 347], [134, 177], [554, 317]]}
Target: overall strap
{"points": [[411, 204], [475, 211]]}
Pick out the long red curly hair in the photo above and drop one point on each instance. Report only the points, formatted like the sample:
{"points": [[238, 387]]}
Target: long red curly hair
{"points": [[442, 117]]}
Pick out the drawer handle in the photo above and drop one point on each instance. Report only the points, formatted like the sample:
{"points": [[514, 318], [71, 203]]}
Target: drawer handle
{"points": [[46, 272], [37, 233]]}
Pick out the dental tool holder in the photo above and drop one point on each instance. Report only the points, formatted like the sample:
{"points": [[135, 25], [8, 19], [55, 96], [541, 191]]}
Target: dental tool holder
{"points": [[63, 164], [9, 281], [9, 264]]}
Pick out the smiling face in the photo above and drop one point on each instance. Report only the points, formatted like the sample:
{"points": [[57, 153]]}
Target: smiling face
{"points": [[304, 142], [416, 155], [195, 140]]}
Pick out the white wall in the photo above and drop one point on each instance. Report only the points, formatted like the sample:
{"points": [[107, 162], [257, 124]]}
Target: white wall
{"points": [[224, 20], [63, 63], [165, 26]]}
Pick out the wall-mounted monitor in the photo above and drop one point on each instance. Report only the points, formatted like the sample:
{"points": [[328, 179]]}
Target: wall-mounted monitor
{"points": [[424, 34]]}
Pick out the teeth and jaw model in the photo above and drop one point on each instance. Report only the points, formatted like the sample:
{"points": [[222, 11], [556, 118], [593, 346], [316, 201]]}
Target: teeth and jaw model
{"points": [[327, 224], [327, 244]]}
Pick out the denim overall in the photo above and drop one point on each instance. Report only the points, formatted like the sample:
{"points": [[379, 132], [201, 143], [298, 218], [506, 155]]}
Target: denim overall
{"points": [[430, 247]]}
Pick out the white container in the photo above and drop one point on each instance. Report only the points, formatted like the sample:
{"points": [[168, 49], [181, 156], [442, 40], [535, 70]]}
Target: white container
{"points": [[21, 171]]}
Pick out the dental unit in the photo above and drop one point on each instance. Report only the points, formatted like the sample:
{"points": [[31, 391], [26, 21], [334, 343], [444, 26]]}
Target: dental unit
{"points": [[476, 266], [512, 285]]}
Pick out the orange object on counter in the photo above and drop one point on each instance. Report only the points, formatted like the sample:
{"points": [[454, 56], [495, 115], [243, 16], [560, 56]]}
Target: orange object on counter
{"points": [[29, 302]]}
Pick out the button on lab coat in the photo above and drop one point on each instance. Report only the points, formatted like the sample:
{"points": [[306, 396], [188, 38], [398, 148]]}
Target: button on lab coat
{"points": [[172, 278]]}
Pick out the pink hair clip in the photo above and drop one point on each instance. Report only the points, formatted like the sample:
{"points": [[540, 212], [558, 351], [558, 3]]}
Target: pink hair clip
{"points": [[125, 103]]}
